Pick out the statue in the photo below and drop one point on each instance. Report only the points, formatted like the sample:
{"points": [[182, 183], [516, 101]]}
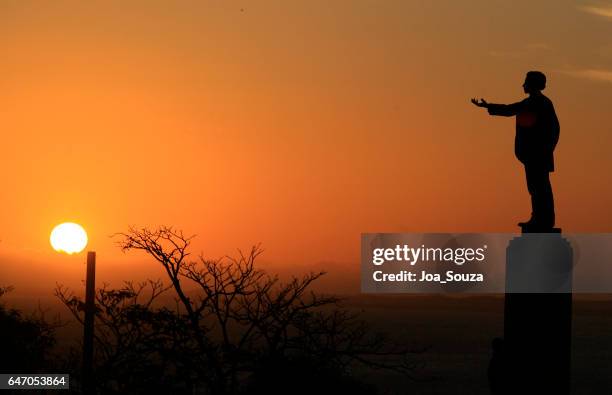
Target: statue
{"points": [[537, 134]]}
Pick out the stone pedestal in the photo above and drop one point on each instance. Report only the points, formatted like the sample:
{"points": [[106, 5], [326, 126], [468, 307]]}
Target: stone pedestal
{"points": [[536, 349]]}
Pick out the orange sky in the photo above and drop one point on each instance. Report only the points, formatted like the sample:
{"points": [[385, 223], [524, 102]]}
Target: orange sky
{"points": [[296, 124]]}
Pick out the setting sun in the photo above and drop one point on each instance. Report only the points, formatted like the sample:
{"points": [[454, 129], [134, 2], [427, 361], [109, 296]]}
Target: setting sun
{"points": [[69, 238]]}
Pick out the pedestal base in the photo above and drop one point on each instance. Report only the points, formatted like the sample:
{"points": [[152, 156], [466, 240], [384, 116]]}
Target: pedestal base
{"points": [[535, 354], [537, 343], [526, 228]]}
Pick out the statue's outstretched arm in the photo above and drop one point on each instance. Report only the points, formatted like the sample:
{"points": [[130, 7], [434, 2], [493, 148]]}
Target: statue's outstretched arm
{"points": [[505, 110]]}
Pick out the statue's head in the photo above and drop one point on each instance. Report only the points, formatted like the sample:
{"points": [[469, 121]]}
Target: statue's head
{"points": [[535, 81]]}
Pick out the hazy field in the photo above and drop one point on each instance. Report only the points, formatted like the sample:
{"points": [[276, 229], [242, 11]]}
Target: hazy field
{"points": [[459, 332]]}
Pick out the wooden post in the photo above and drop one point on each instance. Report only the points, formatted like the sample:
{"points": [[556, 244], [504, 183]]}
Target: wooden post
{"points": [[88, 327]]}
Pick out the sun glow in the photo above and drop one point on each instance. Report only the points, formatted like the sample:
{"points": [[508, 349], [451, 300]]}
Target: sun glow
{"points": [[68, 237]]}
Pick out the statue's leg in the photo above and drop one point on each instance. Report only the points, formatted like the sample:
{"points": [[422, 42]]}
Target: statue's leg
{"points": [[548, 204], [538, 184], [531, 187]]}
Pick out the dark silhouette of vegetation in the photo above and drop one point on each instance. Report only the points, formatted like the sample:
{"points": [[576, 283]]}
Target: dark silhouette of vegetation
{"points": [[231, 329], [25, 341]]}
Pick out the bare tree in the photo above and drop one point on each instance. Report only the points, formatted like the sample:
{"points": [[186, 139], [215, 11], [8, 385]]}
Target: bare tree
{"points": [[229, 318], [135, 341]]}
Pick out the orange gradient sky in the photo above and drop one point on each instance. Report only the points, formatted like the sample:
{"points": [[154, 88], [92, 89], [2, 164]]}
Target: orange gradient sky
{"points": [[299, 125]]}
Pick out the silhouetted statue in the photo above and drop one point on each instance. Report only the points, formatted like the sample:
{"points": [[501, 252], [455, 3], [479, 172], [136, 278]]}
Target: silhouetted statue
{"points": [[537, 134]]}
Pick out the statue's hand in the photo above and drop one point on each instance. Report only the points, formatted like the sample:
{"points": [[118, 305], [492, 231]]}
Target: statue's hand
{"points": [[481, 103]]}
